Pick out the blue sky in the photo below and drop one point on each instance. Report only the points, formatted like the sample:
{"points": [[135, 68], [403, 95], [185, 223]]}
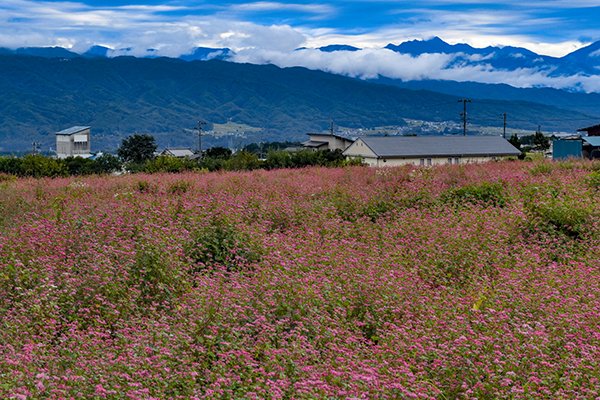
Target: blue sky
{"points": [[553, 27], [269, 32]]}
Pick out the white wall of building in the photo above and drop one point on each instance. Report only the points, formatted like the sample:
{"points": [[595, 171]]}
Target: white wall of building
{"points": [[77, 144], [425, 162]]}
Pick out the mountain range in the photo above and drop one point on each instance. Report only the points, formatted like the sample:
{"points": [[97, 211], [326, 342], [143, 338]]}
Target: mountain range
{"points": [[49, 89], [585, 61]]}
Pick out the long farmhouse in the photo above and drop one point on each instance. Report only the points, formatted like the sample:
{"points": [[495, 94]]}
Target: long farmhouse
{"points": [[381, 151]]}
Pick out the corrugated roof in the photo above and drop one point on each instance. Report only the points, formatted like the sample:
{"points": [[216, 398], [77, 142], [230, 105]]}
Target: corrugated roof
{"points": [[439, 146], [593, 140], [179, 151], [72, 130], [314, 143], [330, 135]]}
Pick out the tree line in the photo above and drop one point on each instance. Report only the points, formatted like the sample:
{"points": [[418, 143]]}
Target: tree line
{"points": [[137, 153]]}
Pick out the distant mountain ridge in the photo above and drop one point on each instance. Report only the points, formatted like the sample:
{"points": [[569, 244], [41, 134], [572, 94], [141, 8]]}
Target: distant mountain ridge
{"points": [[123, 95], [580, 64], [582, 61]]}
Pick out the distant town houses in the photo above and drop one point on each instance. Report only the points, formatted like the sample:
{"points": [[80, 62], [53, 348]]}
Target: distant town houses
{"points": [[73, 142], [381, 151]]}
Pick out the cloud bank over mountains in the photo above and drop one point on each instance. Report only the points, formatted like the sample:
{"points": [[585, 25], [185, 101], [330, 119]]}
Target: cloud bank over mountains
{"points": [[271, 32], [372, 63]]}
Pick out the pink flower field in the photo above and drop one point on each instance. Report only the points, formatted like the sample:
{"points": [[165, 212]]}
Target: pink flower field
{"points": [[477, 281]]}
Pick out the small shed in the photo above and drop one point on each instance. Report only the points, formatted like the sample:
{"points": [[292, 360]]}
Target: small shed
{"points": [[563, 149], [576, 147], [73, 142]]}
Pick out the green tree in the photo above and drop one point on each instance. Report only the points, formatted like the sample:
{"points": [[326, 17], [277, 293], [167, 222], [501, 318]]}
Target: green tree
{"points": [[137, 148], [514, 140], [278, 159], [40, 166], [169, 164], [218, 152], [10, 165], [79, 166], [107, 163], [540, 141], [242, 161]]}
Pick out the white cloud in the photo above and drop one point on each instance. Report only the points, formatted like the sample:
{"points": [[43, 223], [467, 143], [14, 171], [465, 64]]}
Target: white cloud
{"points": [[365, 64], [371, 63], [141, 27], [276, 6]]}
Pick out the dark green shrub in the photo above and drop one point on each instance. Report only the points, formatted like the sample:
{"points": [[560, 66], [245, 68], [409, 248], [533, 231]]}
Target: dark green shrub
{"points": [[485, 193], [220, 244], [278, 159], [10, 165], [558, 216], [41, 166], [242, 161], [154, 275], [346, 205], [179, 187], [212, 163], [144, 187], [218, 152], [79, 166], [376, 208], [306, 158], [550, 210], [169, 164], [593, 180], [107, 163], [541, 168], [4, 177]]}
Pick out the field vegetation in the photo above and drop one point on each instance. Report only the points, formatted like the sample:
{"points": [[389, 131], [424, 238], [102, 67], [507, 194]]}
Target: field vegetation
{"points": [[477, 281]]}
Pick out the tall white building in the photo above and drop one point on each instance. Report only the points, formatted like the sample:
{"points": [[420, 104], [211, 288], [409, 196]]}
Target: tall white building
{"points": [[73, 142]]}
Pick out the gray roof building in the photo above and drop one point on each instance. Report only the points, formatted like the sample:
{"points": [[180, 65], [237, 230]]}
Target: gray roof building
{"points": [[430, 150], [73, 142], [440, 146]]}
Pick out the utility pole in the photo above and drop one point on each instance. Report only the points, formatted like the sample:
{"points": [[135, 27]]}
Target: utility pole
{"points": [[464, 114], [35, 148], [200, 125], [504, 131]]}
